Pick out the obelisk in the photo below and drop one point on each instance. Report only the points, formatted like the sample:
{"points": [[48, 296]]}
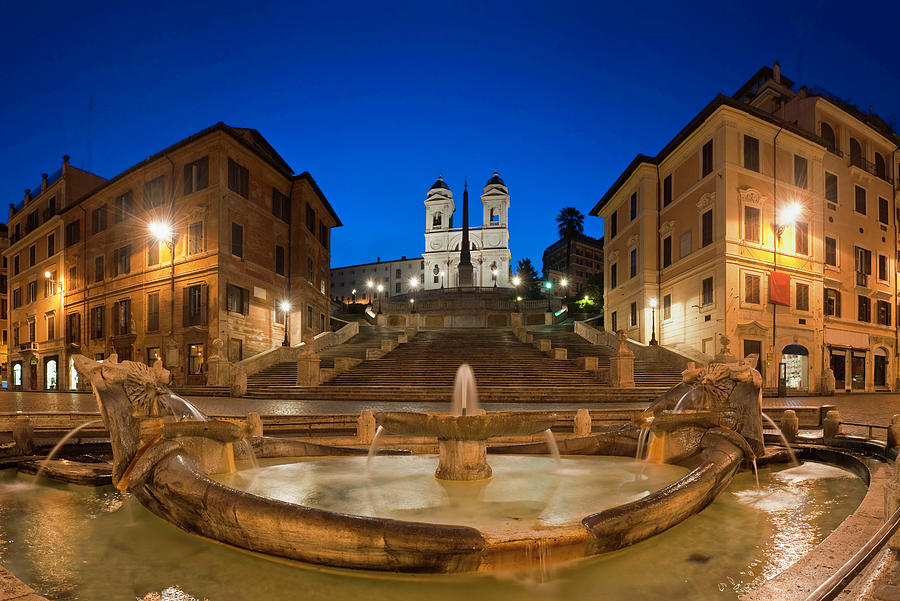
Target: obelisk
{"points": [[465, 255]]}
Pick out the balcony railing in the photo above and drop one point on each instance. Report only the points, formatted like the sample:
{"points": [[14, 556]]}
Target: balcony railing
{"points": [[862, 279], [862, 163]]}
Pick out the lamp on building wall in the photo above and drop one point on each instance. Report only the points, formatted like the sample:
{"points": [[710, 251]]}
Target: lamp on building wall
{"points": [[55, 285], [286, 311], [653, 341], [787, 216], [413, 283]]}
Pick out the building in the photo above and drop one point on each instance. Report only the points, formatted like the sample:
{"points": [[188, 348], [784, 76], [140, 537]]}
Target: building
{"points": [[4, 308], [576, 259], [358, 283], [201, 241], [489, 243], [769, 218]]}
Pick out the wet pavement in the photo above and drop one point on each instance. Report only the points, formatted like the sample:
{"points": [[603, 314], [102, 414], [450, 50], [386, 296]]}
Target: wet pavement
{"points": [[863, 408]]}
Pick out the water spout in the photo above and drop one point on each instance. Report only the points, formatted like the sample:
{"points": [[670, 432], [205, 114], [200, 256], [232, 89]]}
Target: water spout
{"points": [[465, 394], [373, 448], [63, 441], [783, 439], [554, 448], [181, 408]]}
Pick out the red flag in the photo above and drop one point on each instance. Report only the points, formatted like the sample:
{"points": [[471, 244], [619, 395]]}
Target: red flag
{"points": [[780, 288]]}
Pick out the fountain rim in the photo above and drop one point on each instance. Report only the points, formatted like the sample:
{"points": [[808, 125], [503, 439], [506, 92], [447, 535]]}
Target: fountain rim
{"points": [[481, 426]]}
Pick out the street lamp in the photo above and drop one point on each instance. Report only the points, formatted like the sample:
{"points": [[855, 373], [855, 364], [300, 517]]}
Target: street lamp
{"points": [[55, 285], [494, 276], [565, 283], [379, 288], [286, 311], [369, 285], [442, 278], [548, 285], [516, 281], [787, 216], [653, 341], [413, 283], [164, 232], [354, 295]]}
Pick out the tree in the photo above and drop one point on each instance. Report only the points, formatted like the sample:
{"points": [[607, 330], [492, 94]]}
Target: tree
{"points": [[529, 276], [593, 290], [569, 222]]}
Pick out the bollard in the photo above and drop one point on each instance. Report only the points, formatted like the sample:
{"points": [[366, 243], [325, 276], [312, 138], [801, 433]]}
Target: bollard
{"points": [[544, 345], [582, 422], [831, 425], [23, 435], [790, 425], [893, 432], [365, 427], [254, 421]]}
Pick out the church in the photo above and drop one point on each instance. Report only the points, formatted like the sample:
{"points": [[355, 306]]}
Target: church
{"points": [[487, 262]]}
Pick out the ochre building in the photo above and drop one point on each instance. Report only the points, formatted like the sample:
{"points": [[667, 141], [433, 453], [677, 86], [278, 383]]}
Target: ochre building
{"points": [[769, 218], [201, 242]]}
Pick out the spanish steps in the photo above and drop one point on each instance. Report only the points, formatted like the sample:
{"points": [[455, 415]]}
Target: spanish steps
{"points": [[506, 370]]}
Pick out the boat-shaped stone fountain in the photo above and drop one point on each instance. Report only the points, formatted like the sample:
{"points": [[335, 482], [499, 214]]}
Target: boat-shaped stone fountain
{"points": [[172, 464]]}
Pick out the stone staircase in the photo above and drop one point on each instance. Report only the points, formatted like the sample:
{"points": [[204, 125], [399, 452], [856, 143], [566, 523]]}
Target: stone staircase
{"points": [[423, 369]]}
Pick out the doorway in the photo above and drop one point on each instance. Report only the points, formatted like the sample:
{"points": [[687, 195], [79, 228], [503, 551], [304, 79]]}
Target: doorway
{"points": [[796, 367], [879, 368], [50, 373], [33, 373], [839, 367], [754, 347], [858, 370]]}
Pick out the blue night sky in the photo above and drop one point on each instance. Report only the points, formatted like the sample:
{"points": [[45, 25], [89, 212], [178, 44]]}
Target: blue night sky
{"points": [[376, 99]]}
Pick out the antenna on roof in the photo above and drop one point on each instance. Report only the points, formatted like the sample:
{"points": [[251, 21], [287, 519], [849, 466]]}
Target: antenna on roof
{"points": [[90, 120]]}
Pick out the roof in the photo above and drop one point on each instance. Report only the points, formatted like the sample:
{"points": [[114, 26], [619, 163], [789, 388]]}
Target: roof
{"points": [[870, 119], [440, 183], [309, 178], [760, 77], [495, 179], [385, 263], [250, 138], [719, 101]]}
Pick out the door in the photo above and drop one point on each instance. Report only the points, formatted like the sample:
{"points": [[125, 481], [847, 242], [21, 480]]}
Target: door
{"points": [[33, 372], [838, 366], [879, 374], [858, 371], [754, 347], [50, 373]]}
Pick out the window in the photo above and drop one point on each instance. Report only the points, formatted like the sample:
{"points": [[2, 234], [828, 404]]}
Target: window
{"points": [[32, 291], [310, 218], [801, 238], [97, 323], [123, 207], [396, 273], [633, 314], [51, 327], [279, 260], [50, 285], [3, 310], [153, 252], [309, 317], [667, 251], [684, 244], [73, 328], [830, 251], [73, 277], [17, 298], [855, 153], [153, 312], [122, 317], [831, 187], [154, 192], [153, 355], [751, 289], [397, 288], [614, 224], [122, 260], [322, 281], [801, 297], [237, 240], [863, 265], [752, 231], [832, 302], [31, 335], [99, 268], [31, 222], [633, 262], [195, 305], [884, 313], [436, 220], [51, 245], [828, 136], [16, 340], [196, 175], [707, 154], [706, 229], [3, 284], [706, 297], [195, 238], [73, 232], [238, 179], [667, 306], [801, 170], [16, 265], [667, 191], [323, 234], [281, 206], [883, 210], [195, 359], [751, 153], [633, 206], [613, 273], [309, 270], [864, 309], [860, 200], [32, 255], [615, 322], [238, 299], [98, 220], [882, 268]]}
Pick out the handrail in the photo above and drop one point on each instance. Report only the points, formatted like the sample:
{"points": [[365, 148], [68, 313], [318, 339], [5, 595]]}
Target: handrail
{"points": [[836, 583]]}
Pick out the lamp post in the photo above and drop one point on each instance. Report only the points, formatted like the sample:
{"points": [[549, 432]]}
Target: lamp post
{"points": [[516, 281], [653, 341], [354, 295], [565, 284], [286, 311], [379, 288], [413, 283], [369, 285], [547, 286], [165, 232], [494, 276], [442, 278]]}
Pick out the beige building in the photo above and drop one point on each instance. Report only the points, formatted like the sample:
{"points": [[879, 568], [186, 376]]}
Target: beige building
{"points": [[359, 283], [201, 241], [769, 218], [4, 308]]}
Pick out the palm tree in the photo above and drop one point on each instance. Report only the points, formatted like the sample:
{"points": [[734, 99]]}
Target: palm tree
{"points": [[569, 222]]}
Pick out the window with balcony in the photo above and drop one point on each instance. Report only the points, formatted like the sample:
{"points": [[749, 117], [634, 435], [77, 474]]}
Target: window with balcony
{"points": [[856, 155], [880, 166]]}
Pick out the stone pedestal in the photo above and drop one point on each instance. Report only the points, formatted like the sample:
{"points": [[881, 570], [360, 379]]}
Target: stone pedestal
{"points": [[831, 425], [254, 425], [308, 369], [529, 338], [587, 363], [827, 383], [402, 339], [893, 432], [560, 353], [238, 381], [380, 319], [413, 322], [621, 365], [365, 427], [388, 345], [463, 460], [790, 425], [516, 320], [544, 345], [218, 372], [582, 422], [23, 435], [548, 318]]}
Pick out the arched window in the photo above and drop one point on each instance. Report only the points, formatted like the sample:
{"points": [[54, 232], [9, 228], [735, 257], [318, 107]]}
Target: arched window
{"points": [[828, 135], [437, 219], [855, 153], [495, 218], [880, 166]]}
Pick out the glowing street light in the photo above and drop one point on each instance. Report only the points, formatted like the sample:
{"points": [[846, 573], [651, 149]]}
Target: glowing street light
{"points": [[413, 283], [653, 341], [286, 311], [494, 276], [787, 216], [516, 281], [353, 292], [164, 232], [548, 285], [379, 288]]}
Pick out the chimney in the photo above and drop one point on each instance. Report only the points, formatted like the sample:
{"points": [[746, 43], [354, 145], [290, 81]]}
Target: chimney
{"points": [[65, 164], [378, 259], [43, 182], [776, 71], [27, 194]]}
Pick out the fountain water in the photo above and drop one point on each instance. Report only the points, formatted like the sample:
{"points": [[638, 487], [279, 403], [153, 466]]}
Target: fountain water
{"points": [[787, 445], [373, 448], [62, 442], [465, 393]]}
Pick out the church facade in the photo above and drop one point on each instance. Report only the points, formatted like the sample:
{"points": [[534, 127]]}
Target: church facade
{"points": [[489, 243]]}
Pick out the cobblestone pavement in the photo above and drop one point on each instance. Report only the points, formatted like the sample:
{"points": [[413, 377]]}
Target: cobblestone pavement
{"points": [[862, 408]]}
